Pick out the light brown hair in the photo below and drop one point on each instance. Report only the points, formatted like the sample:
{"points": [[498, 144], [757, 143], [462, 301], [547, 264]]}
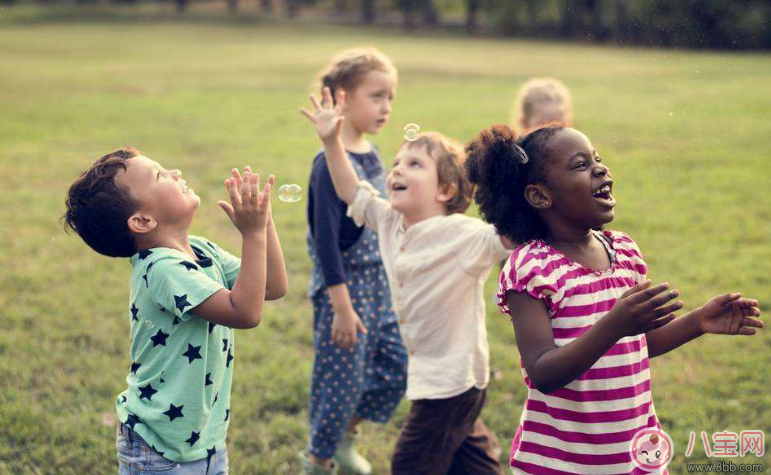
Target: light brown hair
{"points": [[349, 67], [542, 101], [450, 157]]}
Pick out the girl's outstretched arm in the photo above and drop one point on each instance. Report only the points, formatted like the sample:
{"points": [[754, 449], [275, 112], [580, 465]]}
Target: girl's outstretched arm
{"points": [[726, 314], [328, 120], [550, 367]]}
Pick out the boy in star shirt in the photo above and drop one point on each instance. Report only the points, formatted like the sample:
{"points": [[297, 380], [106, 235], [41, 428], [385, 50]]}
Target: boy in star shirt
{"points": [[187, 297]]}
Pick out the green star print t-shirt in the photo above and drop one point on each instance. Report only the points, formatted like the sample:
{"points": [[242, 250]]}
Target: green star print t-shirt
{"points": [[178, 396]]}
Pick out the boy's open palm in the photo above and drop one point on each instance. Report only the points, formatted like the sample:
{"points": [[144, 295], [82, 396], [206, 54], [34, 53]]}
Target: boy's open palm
{"points": [[249, 209], [729, 314], [327, 118]]}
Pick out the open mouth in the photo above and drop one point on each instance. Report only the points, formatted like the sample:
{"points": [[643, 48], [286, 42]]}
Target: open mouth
{"points": [[398, 187], [603, 194]]}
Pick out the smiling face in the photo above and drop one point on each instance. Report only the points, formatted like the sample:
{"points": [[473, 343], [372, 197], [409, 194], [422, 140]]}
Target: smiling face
{"points": [[162, 195], [579, 186], [413, 184], [368, 105]]}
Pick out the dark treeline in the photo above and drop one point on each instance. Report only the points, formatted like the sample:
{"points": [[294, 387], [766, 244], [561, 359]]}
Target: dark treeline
{"points": [[715, 24]]}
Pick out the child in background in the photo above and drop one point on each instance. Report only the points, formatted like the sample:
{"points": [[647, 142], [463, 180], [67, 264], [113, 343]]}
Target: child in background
{"points": [[359, 368], [187, 296], [437, 260], [585, 317], [542, 101]]}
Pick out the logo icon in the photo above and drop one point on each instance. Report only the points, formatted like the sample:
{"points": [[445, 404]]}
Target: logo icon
{"points": [[651, 449]]}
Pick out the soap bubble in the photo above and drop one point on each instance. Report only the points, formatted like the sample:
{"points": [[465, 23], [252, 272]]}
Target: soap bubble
{"points": [[411, 132], [290, 193], [149, 323]]}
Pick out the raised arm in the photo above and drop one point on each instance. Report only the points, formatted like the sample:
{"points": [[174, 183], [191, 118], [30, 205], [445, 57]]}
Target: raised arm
{"points": [[329, 121], [249, 211]]}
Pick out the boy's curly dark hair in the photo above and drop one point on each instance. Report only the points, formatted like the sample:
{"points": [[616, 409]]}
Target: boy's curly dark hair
{"points": [[98, 208], [495, 166]]}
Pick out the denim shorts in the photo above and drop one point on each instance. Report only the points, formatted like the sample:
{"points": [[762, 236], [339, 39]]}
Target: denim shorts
{"points": [[136, 457]]}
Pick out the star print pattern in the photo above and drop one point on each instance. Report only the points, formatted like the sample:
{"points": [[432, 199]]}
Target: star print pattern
{"points": [[159, 338], [193, 353], [167, 344], [180, 301], [147, 392], [174, 412], [188, 265]]}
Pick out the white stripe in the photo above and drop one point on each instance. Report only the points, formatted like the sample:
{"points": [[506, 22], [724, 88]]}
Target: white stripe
{"points": [[574, 467], [590, 406], [594, 449], [610, 383], [587, 428]]}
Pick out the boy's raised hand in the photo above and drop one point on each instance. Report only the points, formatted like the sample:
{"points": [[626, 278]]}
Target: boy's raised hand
{"points": [[643, 308], [729, 314], [327, 118], [249, 209]]}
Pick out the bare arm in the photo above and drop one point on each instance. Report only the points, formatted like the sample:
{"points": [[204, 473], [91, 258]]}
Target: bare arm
{"points": [[550, 367], [726, 314], [278, 283], [328, 121], [242, 307]]}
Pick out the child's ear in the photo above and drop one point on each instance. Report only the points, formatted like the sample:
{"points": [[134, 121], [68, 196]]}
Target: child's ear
{"points": [[538, 197], [339, 95], [141, 224], [446, 192]]}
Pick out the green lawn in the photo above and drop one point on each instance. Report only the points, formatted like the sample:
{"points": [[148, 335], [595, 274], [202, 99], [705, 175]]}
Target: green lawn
{"points": [[686, 134]]}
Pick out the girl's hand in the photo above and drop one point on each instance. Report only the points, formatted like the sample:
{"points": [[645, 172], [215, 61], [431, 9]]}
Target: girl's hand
{"points": [[250, 210], [345, 326], [642, 309], [729, 314], [327, 118]]}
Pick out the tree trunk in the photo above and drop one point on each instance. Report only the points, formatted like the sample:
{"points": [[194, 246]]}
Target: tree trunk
{"points": [[368, 11], [181, 5], [568, 22], [430, 14], [408, 9], [292, 8], [232, 7], [341, 6], [267, 6], [472, 9]]}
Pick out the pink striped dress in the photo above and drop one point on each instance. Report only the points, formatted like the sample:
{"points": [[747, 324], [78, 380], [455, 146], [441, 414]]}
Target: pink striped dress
{"points": [[586, 426]]}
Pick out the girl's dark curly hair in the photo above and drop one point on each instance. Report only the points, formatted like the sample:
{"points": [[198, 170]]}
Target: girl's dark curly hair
{"points": [[495, 165]]}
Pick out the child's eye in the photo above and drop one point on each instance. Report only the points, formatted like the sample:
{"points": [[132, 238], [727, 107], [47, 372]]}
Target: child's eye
{"points": [[598, 159], [158, 176], [415, 163], [580, 165]]}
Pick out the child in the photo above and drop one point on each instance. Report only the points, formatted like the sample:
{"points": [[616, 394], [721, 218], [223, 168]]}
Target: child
{"points": [[542, 101], [437, 260], [585, 317], [359, 369], [187, 296]]}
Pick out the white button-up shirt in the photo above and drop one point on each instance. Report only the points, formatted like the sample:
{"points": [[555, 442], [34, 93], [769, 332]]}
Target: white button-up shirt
{"points": [[436, 270]]}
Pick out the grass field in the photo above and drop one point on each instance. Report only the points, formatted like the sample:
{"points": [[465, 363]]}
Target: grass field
{"points": [[686, 134]]}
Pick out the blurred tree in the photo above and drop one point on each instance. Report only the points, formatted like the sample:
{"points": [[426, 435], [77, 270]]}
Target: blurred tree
{"points": [[368, 11], [267, 6], [418, 9], [181, 5], [472, 13], [232, 7]]}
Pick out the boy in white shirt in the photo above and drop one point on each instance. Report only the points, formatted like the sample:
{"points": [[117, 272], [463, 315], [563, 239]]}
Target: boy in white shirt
{"points": [[437, 260]]}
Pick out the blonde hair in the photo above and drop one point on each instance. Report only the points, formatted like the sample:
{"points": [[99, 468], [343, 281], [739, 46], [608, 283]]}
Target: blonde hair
{"points": [[542, 101], [349, 67], [450, 158]]}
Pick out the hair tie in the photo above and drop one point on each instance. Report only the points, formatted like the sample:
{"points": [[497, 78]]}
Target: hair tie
{"points": [[523, 158]]}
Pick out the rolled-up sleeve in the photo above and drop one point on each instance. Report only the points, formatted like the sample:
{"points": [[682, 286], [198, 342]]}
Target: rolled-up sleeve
{"points": [[368, 208]]}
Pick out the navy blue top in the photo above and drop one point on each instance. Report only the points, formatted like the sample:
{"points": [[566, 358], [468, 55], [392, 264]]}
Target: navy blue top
{"points": [[327, 214]]}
